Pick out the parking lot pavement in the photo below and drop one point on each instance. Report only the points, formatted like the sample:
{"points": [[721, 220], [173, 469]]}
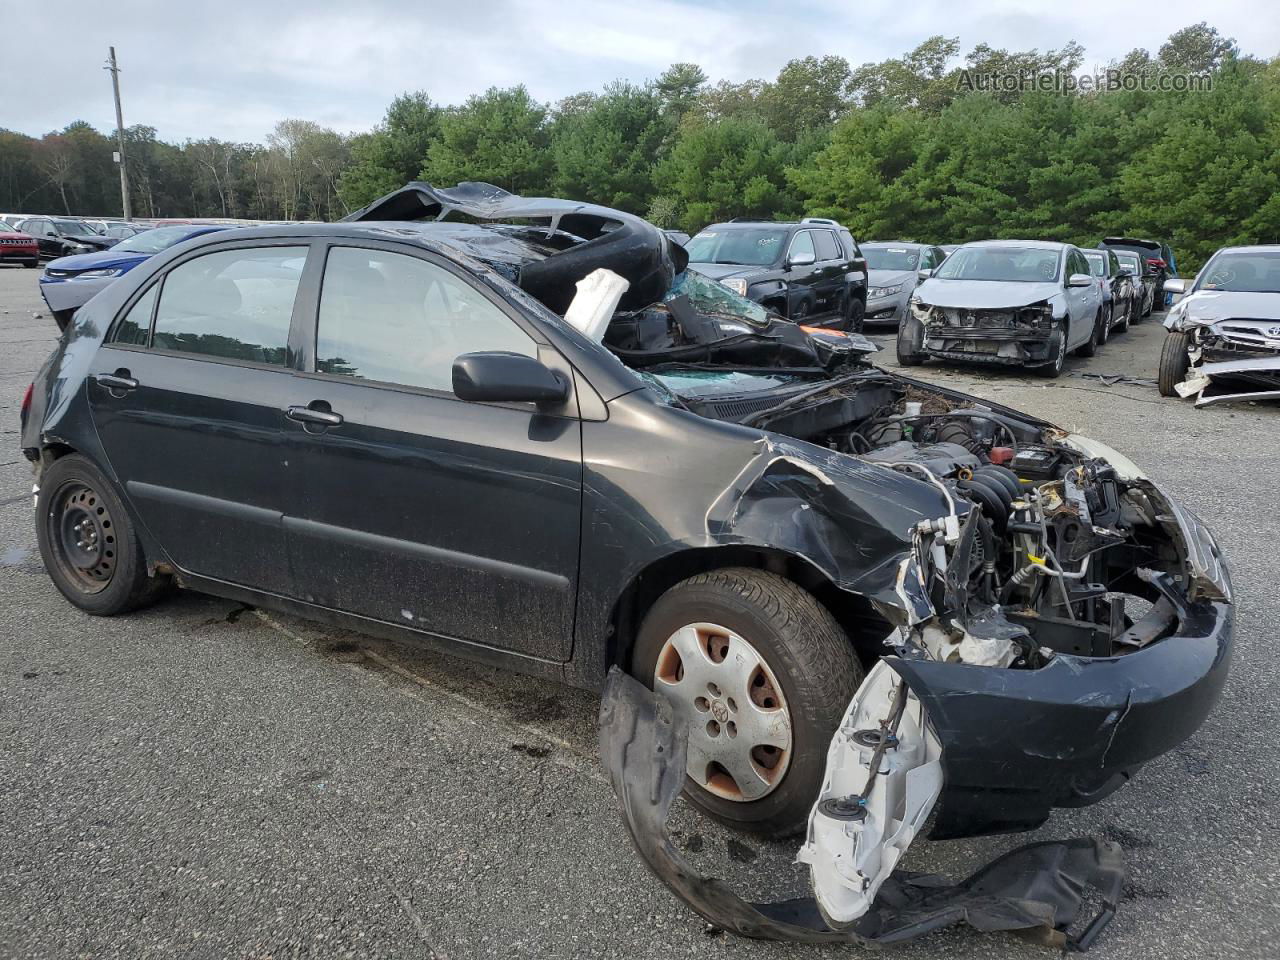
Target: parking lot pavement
{"points": [[205, 780]]}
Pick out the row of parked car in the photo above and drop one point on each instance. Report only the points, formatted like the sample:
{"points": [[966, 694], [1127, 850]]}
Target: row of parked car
{"points": [[1026, 303]]}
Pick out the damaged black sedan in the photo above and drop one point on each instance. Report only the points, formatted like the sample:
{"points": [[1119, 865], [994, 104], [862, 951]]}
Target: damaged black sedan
{"points": [[533, 437]]}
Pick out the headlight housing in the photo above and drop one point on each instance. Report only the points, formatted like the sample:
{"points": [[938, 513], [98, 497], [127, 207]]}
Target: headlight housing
{"points": [[921, 311], [1040, 315], [885, 291], [99, 274], [737, 284]]}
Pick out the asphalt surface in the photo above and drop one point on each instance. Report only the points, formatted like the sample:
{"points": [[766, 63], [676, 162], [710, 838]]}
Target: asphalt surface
{"points": [[205, 780]]}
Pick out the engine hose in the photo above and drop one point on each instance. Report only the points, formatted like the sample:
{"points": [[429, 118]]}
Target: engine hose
{"points": [[1003, 476], [992, 499]]}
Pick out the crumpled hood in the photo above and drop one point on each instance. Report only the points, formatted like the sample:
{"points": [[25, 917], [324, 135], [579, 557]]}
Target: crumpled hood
{"points": [[1210, 306], [102, 260], [723, 271], [985, 294], [888, 278]]}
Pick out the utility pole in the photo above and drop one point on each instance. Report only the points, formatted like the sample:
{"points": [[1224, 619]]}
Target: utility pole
{"points": [[124, 174]]}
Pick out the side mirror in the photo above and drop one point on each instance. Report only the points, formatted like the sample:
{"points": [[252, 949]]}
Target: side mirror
{"points": [[801, 259], [1175, 285], [496, 377], [1080, 280], [924, 274]]}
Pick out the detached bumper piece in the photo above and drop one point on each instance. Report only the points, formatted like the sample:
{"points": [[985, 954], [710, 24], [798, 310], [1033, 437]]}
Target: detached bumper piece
{"points": [[1036, 891]]}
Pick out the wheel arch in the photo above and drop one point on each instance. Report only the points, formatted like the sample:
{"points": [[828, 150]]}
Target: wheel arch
{"points": [[852, 611]]}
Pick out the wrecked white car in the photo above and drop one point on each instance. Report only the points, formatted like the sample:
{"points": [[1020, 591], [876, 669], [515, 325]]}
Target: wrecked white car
{"points": [[1223, 340]]}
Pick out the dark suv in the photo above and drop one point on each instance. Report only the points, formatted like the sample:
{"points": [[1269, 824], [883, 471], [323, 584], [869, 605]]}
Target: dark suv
{"points": [[811, 272], [62, 236]]}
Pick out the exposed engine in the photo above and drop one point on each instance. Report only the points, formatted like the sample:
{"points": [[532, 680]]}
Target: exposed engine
{"points": [[1047, 549]]}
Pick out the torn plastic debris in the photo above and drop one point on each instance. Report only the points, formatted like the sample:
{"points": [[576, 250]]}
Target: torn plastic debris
{"points": [[596, 300], [1035, 890]]}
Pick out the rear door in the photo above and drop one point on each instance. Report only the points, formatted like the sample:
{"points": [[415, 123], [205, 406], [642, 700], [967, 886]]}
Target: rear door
{"points": [[414, 507], [188, 395], [829, 283]]}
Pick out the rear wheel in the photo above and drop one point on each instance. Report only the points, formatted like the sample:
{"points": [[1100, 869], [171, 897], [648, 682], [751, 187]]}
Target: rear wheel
{"points": [[855, 313], [87, 540], [1174, 362], [31, 264], [911, 342], [762, 674]]}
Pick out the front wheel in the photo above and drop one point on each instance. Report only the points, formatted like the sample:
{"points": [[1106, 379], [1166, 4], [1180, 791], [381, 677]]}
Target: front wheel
{"points": [[1123, 325], [87, 540], [1090, 347], [762, 674], [910, 342], [1057, 355], [1174, 362]]}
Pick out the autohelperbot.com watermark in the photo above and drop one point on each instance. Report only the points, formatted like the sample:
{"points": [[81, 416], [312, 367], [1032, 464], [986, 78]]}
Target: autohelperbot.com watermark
{"points": [[1104, 81]]}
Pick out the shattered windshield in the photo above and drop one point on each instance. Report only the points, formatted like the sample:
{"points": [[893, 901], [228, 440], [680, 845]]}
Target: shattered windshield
{"points": [[1257, 272], [1007, 264], [709, 297], [890, 258], [749, 246]]}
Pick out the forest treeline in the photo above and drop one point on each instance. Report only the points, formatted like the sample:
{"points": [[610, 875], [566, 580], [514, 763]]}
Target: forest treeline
{"points": [[907, 148]]}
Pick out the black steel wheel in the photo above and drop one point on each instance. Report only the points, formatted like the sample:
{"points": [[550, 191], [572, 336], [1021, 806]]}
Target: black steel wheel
{"points": [[87, 540]]}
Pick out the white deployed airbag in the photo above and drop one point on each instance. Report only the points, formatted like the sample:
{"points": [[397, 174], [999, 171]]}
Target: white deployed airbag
{"points": [[596, 300]]}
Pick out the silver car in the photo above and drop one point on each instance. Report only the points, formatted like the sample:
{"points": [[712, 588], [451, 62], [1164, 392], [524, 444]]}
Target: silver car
{"points": [[1016, 302], [1223, 340], [894, 268]]}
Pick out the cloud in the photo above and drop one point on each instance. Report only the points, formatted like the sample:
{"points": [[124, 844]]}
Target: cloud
{"points": [[232, 69]]}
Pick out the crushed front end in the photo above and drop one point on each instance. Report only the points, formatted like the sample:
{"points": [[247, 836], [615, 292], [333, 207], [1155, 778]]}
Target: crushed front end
{"points": [[1230, 359], [1022, 336]]}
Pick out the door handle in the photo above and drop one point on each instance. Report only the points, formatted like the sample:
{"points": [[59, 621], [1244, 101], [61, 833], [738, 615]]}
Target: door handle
{"points": [[309, 414], [120, 380]]}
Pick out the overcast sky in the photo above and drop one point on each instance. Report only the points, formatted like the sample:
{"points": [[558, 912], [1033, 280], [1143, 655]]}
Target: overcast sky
{"points": [[231, 69]]}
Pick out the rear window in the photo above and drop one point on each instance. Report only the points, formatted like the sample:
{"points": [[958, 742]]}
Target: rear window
{"points": [[891, 258], [1097, 263]]}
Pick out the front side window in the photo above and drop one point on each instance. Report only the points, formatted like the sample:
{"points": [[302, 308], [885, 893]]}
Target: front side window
{"points": [[801, 244], [234, 304], [398, 319]]}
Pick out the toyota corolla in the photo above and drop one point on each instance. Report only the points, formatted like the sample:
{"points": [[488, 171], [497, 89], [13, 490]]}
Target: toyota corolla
{"points": [[535, 438]]}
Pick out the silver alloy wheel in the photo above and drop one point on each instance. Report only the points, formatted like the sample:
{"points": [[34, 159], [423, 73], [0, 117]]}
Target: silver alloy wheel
{"points": [[739, 724]]}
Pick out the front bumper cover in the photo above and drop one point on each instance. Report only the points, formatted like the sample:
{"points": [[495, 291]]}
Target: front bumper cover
{"points": [[1037, 890], [1023, 347]]}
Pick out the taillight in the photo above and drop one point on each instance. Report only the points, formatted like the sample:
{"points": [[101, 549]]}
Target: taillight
{"points": [[1156, 262], [26, 401]]}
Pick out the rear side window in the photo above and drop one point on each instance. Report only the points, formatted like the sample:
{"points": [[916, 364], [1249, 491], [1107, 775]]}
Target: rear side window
{"points": [[135, 328], [235, 304], [825, 241], [397, 319]]}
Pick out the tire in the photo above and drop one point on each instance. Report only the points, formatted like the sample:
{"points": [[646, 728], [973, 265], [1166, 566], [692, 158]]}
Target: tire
{"points": [[911, 342], [1123, 325], [801, 645], [63, 318], [73, 489], [31, 264], [1090, 347], [1058, 350], [1108, 318], [1147, 307], [855, 313], [1174, 362]]}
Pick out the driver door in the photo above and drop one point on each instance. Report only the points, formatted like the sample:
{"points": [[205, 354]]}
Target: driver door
{"points": [[456, 518]]}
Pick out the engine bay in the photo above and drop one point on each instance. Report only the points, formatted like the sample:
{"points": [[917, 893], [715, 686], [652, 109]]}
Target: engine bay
{"points": [[1047, 549]]}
